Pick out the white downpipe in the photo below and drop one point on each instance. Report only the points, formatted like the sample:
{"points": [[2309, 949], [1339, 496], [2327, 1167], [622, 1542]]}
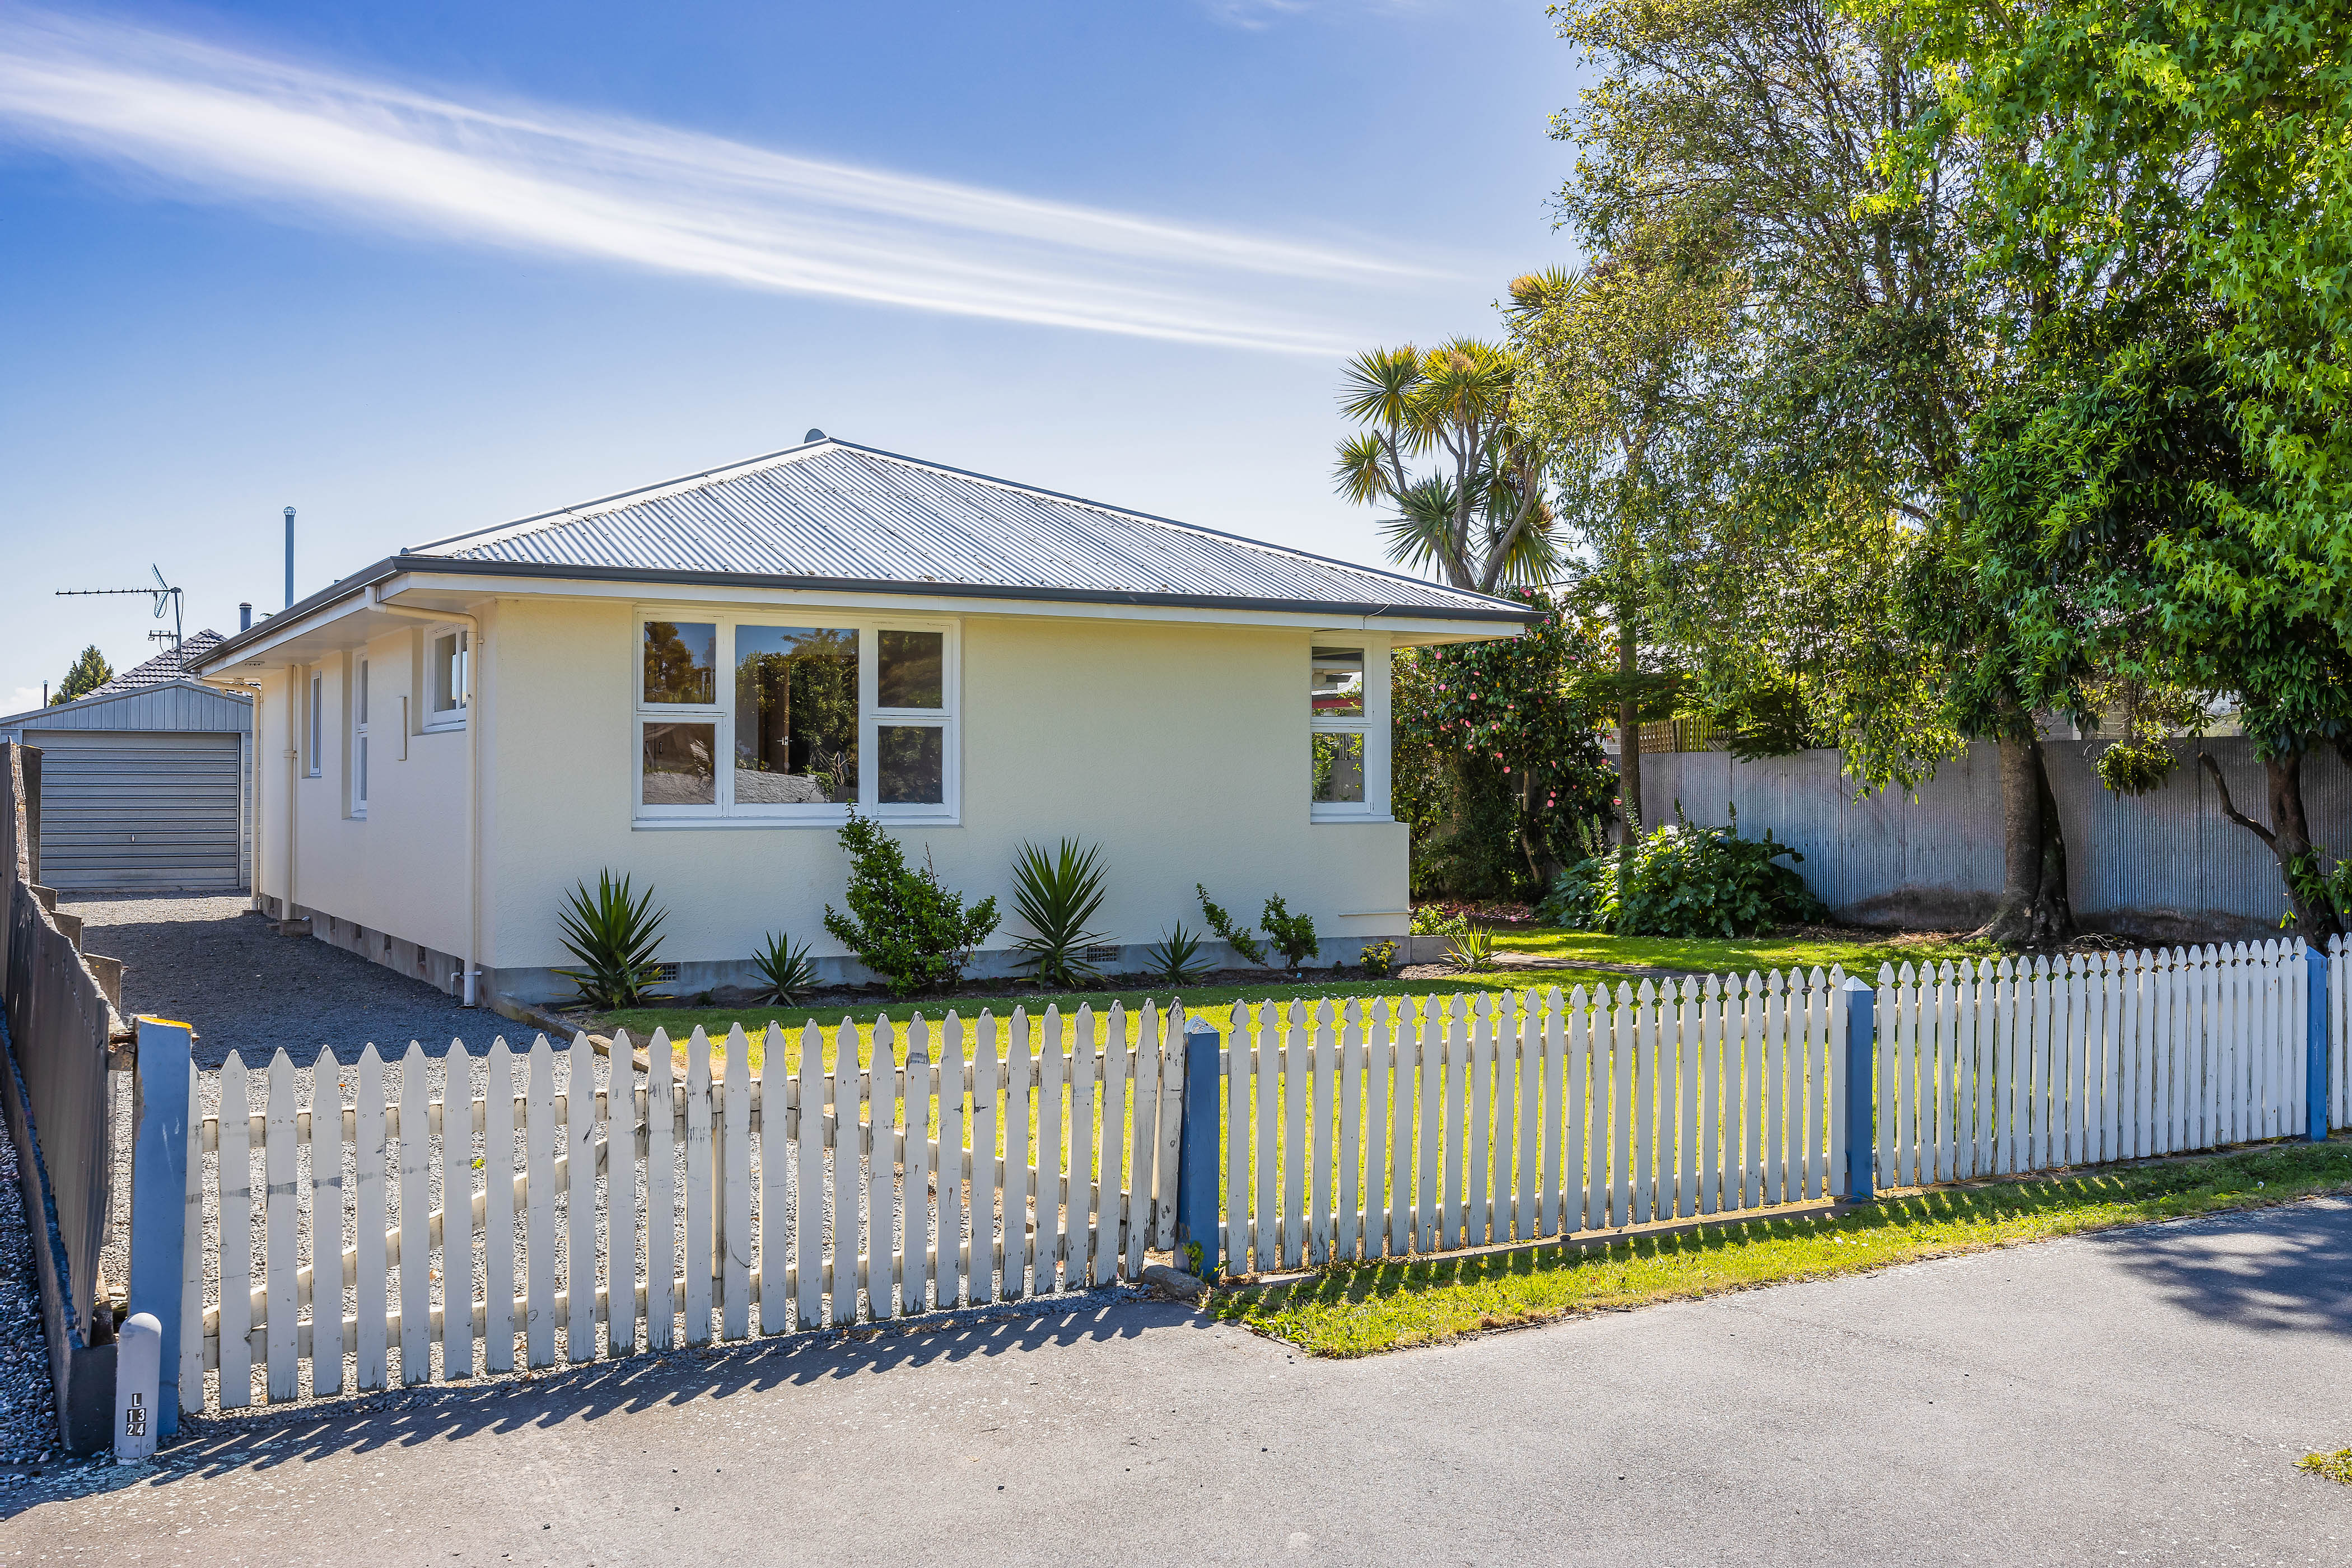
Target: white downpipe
{"points": [[471, 975]]}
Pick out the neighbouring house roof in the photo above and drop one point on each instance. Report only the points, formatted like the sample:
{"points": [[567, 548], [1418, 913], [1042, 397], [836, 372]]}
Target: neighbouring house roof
{"points": [[172, 664], [834, 515]]}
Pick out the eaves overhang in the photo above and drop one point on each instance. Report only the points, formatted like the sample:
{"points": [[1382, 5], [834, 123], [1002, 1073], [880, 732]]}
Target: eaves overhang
{"points": [[1502, 614]]}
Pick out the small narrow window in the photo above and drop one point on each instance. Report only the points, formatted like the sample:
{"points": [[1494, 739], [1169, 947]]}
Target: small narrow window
{"points": [[1339, 722], [317, 722], [681, 662], [360, 737], [448, 677]]}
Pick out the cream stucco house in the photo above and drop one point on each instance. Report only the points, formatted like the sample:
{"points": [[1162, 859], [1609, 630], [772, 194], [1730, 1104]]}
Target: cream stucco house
{"points": [[693, 683]]}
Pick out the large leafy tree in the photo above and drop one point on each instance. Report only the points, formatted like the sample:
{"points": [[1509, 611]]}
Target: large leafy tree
{"points": [[1618, 391], [2169, 185], [1476, 514], [1756, 129]]}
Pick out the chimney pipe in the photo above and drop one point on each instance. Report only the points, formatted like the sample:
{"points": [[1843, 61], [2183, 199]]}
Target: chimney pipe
{"points": [[290, 557], [244, 617]]}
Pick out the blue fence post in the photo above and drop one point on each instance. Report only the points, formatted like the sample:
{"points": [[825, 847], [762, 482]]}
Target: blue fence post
{"points": [[163, 1083], [1861, 1089], [2314, 1043], [1196, 1152]]}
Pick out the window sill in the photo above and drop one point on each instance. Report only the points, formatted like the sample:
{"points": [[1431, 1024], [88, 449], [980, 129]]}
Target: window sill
{"points": [[436, 726], [782, 824], [1323, 814]]}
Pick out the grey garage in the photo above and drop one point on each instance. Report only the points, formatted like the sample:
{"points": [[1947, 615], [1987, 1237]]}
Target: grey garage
{"points": [[145, 783]]}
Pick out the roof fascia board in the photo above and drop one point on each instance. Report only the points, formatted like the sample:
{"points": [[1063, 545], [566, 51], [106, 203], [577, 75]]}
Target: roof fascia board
{"points": [[619, 582], [305, 615]]}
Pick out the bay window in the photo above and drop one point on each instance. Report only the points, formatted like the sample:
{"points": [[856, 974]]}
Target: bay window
{"points": [[749, 718]]}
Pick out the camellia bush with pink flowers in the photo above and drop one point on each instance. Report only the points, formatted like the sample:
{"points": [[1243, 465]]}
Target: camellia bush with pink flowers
{"points": [[1497, 763]]}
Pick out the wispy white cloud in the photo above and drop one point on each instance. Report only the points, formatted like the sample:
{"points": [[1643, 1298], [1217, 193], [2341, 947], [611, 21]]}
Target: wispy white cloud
{"points": [[221, 124]]}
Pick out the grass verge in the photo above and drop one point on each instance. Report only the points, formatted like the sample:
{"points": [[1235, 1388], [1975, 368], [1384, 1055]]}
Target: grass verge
{"points": [[1364, 1308]]}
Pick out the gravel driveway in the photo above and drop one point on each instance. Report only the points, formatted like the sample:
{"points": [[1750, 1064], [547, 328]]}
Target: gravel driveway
{"points": [[209, 959]]}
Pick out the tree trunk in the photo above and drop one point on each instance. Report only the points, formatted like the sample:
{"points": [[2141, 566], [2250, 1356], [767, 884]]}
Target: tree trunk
{"points": [[1629, 738], [2034, 911], [1534, 842], [2288, 838]]}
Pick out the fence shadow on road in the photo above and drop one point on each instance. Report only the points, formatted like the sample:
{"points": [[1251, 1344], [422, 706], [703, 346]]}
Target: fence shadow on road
{"points": [[2285, 1270], [267, 1438]]}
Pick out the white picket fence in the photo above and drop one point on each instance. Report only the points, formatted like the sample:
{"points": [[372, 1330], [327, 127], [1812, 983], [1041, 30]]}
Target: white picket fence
{"points": [[1388, 1127], [1991, 1067], [640, 1212], [673, 1211]]}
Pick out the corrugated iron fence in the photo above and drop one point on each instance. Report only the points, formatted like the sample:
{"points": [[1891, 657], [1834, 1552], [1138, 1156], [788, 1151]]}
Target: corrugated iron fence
{"points": [[53, 1084], [2165, 866]]}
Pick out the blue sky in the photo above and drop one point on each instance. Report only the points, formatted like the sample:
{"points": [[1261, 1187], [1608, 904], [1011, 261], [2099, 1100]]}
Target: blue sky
{"points": [[416, 268]]}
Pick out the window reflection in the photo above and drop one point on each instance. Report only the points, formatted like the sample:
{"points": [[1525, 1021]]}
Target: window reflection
{"points": [[795, 715]]}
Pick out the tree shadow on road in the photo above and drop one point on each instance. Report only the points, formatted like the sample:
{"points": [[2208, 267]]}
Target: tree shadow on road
{"points": [[2282, 1270]]}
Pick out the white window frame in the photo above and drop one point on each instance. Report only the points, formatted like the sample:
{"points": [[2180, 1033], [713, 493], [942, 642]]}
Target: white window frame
{"points": [[1373, 726], [720, 715], [359, 757], [315, 721], [452, 718]]}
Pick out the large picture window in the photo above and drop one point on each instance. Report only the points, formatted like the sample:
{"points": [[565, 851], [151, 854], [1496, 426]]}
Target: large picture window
{"points": [[817, 717]]}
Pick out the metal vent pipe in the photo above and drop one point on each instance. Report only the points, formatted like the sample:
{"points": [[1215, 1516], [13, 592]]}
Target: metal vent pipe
{"points": [[290, 557]]}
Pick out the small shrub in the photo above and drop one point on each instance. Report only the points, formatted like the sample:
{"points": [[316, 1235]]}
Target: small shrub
{"points": [[1237, 937], [1684, 881], [614, 937], [1432, 920], [1058, 896], [1293, 935], [903, 924], [785, 972], [1175, 959], [1379, 959]]}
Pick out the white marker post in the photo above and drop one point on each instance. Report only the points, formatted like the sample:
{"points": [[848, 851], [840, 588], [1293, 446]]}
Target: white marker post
{"points": [[138, 1364]]}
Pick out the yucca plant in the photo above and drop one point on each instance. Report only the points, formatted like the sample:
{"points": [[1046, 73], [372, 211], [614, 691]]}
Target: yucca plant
{"points": [[1057, 896], [613, 936], [1175, 958], [785, 972], [1470, 946]]}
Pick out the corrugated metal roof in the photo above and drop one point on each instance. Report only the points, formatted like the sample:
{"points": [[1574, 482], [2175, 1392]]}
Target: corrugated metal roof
{"points": [[836, 511]]}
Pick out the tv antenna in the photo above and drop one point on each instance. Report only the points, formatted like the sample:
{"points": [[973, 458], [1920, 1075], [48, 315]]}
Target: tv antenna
{"points": [[165, 597]]}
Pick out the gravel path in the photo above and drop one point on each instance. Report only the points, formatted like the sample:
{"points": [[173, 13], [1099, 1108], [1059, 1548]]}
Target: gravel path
{"points": [[209, 959], [28, 1416]]}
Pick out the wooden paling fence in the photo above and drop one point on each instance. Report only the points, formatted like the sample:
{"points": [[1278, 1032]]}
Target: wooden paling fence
{"points": [[1379, 1128], [1989, 1068], [675, 1211]]}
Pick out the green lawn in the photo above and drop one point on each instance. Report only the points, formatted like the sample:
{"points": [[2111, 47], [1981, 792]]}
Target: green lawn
{"points": [[1577, 953], [1359, 1309]]}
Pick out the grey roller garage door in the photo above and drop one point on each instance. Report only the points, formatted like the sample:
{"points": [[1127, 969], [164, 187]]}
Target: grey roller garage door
{"points": [[138, 809]]}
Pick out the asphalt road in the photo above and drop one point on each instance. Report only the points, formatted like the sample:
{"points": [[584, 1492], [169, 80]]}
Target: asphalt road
{"points": [[2139, 1396]]}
